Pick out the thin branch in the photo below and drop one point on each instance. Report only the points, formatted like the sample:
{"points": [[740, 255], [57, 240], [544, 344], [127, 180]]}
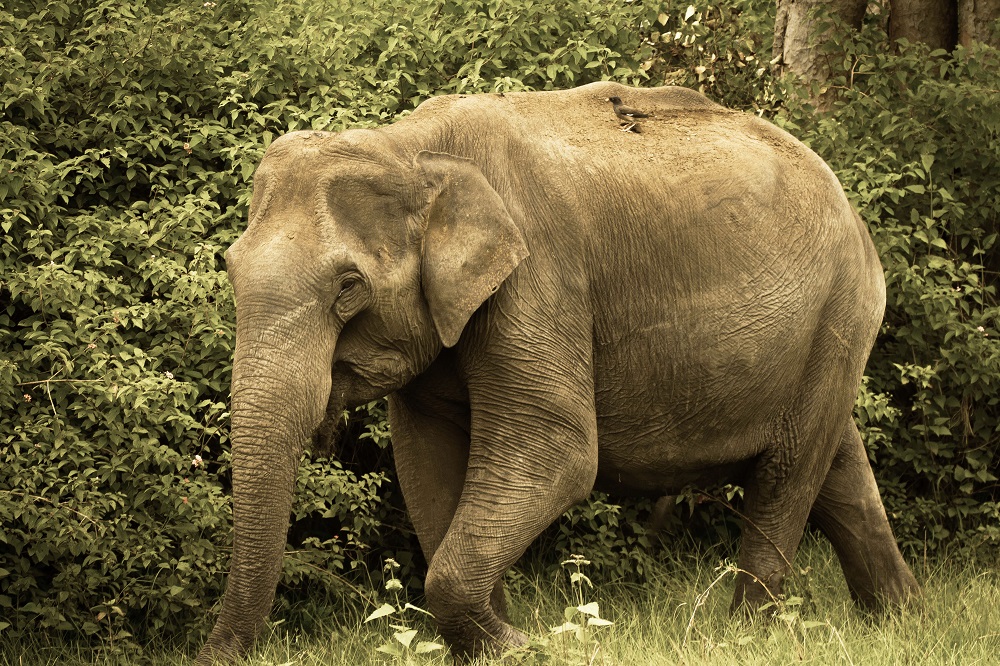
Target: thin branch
{"points": [[749, 522], [56, 381], [52, 502]]}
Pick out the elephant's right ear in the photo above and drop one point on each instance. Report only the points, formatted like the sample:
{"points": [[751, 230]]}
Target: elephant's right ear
{"points": [[470, 245]]}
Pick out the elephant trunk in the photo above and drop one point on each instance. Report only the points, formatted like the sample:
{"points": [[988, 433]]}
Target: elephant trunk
{"points": [[279, 398]]}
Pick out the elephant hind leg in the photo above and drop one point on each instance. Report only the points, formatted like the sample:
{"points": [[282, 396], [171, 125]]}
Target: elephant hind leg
{"points": [[779, 492], [801, 443], [850, 513]]}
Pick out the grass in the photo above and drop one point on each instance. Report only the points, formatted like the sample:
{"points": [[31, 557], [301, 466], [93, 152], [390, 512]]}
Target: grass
{"points": [[679, 617]]}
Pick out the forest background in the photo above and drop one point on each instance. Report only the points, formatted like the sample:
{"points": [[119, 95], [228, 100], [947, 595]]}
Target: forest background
{"points": [[128, 139]]}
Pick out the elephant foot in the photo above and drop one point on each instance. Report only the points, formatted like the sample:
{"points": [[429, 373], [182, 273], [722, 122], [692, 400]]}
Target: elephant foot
{"points": [[894, 589], [755, 597], [222, 650], [482, 635]]}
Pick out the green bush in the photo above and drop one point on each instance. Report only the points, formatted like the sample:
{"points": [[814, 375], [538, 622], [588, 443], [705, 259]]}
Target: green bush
{"points": [[914, 136], [128, 137]]}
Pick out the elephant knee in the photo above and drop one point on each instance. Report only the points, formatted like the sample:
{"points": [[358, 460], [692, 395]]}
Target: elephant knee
{"points": [[448, 597]]}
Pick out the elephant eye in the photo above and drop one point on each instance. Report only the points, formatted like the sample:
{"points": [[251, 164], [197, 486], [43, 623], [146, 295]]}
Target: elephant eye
{"points": [[350, 298], [348, 284]]}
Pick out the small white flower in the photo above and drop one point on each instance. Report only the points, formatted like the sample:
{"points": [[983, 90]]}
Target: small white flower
{"points": [[197, 462], [393, 584], [980, 329], [169, 375]]}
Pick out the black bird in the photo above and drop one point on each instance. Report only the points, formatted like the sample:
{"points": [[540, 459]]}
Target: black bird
{"points": [[625, 112], [627, 115]]}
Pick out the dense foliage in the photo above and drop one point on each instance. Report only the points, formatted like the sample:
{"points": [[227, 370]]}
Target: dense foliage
{"points": [[128, 135], [915, 139]]}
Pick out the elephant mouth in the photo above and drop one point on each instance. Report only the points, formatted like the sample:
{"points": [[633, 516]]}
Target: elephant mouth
{"points": [[360, 383], [326, 437]]}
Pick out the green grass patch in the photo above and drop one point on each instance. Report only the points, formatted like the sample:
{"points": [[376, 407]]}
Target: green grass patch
{"points": [[679, 616]]}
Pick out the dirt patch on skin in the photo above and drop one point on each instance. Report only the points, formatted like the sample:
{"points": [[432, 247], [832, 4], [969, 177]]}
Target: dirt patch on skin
{"points": [[583, 116], [687, 132]]}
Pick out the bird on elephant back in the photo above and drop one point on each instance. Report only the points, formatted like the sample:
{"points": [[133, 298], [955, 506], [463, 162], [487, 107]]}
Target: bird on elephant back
{"points": [[553, 305]]}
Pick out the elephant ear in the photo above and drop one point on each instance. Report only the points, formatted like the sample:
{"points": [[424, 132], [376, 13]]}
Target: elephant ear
{"points": [[470, 245]]}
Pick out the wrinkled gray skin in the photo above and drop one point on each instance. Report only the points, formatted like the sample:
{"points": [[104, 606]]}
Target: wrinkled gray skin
{"points": [[555, 305]]}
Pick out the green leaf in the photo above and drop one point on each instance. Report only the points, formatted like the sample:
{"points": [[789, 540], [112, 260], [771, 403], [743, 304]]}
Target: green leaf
{"points": [[423, 647], [381, 611], [598, 622], [590, 609], [390, 649], [409, 606], [405, 637], [564, 627]]}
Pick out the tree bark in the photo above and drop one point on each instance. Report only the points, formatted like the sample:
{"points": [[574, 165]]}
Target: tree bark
{"points": [[933, 22], [977, 22], [797, 41]]}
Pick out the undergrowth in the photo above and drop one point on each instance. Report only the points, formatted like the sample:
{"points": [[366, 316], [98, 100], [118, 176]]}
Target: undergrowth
{"points": [[656, 622]]}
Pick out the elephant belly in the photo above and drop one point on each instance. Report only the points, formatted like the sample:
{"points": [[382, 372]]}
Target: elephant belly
{"points": [[681, 404]]}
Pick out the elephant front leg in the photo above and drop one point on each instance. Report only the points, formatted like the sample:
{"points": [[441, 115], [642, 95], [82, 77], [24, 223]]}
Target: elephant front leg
{"points": [[430, 435], [530, 459]]}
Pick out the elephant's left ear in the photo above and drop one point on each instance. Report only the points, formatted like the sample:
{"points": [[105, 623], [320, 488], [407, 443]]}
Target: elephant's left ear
{"points": [[471, 244]]}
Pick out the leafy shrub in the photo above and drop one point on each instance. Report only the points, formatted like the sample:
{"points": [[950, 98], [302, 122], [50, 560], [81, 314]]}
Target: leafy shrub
{"points": [[914, 137], [616, 539], [128, 138]]}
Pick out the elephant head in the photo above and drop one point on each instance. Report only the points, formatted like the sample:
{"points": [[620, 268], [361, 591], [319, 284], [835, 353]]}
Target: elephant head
{"points": [[361, 261]]}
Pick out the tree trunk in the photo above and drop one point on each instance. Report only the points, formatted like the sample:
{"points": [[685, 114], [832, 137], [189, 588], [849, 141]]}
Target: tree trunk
{"points": [[797, 37], [977, 22], [933, 22]]}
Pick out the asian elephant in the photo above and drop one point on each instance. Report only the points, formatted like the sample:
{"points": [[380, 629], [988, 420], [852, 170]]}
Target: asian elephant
{"points": [[553, 305]]}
